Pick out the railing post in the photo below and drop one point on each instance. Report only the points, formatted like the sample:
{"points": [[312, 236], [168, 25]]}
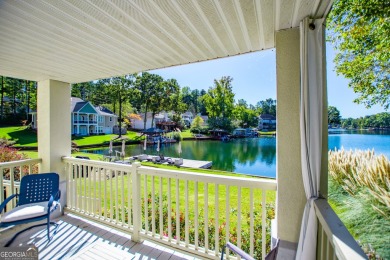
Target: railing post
{"points": [[136, 190]]}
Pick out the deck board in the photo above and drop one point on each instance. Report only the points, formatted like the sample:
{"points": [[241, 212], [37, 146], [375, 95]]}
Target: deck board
{"points": [[78, 238]]}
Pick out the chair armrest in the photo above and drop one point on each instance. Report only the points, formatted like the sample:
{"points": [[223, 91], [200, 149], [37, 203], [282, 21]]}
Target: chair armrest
{"points": [[237, 250], [54, 197], [2, 206]]}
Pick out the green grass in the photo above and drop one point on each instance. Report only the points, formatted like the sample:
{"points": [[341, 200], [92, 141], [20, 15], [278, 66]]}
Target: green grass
{"points": [[23, 137], [267, 133], [186, 134], [28, 138], [103, 139]]}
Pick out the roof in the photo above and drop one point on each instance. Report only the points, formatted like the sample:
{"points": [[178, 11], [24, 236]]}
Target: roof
{"points": [[77, 104], [188, 113], [267, 117], [103, 111], [79, 41]]}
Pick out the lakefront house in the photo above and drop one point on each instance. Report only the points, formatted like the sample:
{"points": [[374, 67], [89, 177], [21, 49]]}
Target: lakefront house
{"points": [[87, 119], [267, 122]]}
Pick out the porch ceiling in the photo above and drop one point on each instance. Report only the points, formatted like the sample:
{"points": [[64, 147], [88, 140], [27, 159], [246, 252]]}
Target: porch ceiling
{"points": [[77, 41]]}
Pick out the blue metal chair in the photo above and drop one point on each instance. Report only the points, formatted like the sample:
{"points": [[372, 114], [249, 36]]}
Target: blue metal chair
{"points": [[38, 197]]}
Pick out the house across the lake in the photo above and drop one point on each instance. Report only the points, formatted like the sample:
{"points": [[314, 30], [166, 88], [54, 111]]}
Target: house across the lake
{"points": [[267, 122], [87, 119]]}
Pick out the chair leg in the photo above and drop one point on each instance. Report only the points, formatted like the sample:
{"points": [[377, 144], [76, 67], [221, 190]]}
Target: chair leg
{"points": [[31, 227]]}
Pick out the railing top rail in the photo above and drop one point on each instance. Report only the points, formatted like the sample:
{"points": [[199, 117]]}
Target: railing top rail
{"points": [[93, 163], [20, 162], [344, 244], [268, 184], [254, 182]]}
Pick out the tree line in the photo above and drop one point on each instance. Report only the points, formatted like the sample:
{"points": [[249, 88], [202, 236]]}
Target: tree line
{"points": [[380, 120], [145, 93], [17, 99]]}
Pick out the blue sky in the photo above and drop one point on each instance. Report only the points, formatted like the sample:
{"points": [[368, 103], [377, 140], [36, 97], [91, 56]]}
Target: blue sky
{"points": [[254, 79]]}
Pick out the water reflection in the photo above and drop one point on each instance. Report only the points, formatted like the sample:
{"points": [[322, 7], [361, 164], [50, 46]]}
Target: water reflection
{"points": [[255, 156]]}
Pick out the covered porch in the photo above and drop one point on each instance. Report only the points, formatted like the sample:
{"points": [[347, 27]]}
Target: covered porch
{"points": [[57, 43]]}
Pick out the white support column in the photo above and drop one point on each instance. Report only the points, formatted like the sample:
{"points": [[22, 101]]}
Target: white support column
{"points": [[54, 134], [291, 197]]}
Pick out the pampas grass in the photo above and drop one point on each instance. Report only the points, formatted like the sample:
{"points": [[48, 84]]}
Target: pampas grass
{"points": [[359, 191], [363, 173]]}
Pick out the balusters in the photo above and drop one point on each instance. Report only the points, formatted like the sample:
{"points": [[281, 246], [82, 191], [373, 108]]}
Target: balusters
{"points": [[160, 207], [169, 211], [177, 213]]}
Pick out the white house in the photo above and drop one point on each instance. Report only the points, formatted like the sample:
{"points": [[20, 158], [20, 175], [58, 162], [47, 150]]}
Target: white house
{"points": [[187, 118], [87, 119], [139, 124], [267, 121]]}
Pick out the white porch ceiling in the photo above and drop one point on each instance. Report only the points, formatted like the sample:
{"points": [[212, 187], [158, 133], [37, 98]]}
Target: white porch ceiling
{"points": [[82, 40]]}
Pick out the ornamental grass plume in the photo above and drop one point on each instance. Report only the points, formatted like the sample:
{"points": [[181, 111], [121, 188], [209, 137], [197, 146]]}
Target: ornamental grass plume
{"points": [[362, 173]]}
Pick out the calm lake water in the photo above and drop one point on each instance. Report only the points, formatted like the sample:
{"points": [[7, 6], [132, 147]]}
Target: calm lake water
{"points": [[256, 156]]}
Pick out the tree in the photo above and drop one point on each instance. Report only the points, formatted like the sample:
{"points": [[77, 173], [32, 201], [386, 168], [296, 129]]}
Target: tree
{"points": [[359, 31], [219, 103], [202, 106], [334, 117], [267, 106], [117, 91], [145, 91], [197, 122], [174, 98]]}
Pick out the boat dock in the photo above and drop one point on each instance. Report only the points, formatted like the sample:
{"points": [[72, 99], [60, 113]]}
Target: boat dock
{"points": [[186, 163], [196, 164]]}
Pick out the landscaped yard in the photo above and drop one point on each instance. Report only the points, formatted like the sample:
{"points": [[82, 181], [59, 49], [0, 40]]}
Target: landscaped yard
{"points": [[24, 137], [28, 138]]}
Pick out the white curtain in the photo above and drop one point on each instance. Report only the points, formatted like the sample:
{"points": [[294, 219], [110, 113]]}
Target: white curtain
{"points": [[312, 86]]}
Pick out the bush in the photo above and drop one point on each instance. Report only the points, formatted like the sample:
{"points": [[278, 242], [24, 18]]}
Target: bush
{"points": [[200, 130], [4, 142], [177, 136], [9, 154]]}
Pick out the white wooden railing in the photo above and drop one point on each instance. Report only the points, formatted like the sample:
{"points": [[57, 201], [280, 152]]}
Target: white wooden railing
{"points": [[191, 211], [10, 175], [334, 240]]}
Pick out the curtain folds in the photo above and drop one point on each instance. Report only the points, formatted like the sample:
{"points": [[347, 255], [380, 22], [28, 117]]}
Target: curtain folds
{"points": [[311, 115]]}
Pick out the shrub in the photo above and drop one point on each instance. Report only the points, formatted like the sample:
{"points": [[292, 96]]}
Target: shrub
{"points": [[177, 136], [9, 154], [4, 142]]}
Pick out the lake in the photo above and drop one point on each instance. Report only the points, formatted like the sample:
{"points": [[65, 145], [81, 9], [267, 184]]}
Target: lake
{"points": [[257, 156]]}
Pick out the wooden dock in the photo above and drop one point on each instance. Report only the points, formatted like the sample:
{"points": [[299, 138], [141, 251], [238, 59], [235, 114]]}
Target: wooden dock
{"points": [[196, 164], [187, 163]]}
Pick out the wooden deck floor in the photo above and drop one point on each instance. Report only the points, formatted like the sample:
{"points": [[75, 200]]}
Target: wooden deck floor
{"points": [[78, 238]]}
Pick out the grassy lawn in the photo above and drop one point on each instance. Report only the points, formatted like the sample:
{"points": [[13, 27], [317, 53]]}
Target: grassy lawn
{"points": [[186, 134], [103, 139], [22, 136], [267, 133], [28, 138]]}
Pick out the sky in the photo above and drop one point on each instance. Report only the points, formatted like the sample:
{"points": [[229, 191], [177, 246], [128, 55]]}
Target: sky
{"points": [[254, 79]]}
